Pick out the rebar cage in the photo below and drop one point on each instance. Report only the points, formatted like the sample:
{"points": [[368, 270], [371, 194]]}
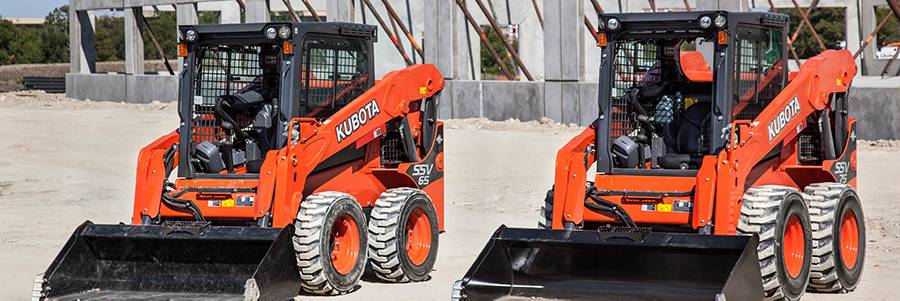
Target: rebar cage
{"points": [[334, 73], [221, 70]]}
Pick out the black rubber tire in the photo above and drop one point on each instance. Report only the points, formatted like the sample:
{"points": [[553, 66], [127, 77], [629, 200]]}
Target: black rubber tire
{"points": [[388, 235], [546, 219], [312, 239], [828, 204], [764, 212]]}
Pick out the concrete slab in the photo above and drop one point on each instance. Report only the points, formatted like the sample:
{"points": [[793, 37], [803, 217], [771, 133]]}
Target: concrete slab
{"points": [[466, 99], [521, 100], [875, 82], [147, 88], [108, 87]]}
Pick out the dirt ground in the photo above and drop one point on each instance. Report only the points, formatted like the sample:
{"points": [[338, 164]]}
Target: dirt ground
{"points": [[64, 162]]}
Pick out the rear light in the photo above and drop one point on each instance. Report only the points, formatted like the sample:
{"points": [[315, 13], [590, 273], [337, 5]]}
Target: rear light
{"points": [[601, 39], [723, 38], [182, 50], [287, 48]]}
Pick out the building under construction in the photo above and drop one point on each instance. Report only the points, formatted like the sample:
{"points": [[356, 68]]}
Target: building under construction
{"points": [[541, 60]]}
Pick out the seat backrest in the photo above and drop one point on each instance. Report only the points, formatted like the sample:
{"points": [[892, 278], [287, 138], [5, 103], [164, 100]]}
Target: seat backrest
{"points": [[690, 128]]}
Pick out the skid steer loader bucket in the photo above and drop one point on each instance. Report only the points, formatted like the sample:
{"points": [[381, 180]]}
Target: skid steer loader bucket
{"points": [[534, 264], [178, 260]]}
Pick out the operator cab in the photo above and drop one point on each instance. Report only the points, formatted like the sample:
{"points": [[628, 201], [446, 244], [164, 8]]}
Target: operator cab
{"points": [[246, 81], [666, 94]]}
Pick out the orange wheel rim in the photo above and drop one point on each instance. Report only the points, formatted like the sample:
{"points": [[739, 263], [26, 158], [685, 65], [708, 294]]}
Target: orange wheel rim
{"points": [[418, 236], [793, 246], [849, 239], [344, 244]]}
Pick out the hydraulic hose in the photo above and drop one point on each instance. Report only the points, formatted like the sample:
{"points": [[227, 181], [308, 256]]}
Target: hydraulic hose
{"points": [[169, 200], [601, 205]]}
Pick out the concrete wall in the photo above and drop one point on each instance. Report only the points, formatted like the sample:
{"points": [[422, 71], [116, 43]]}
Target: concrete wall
{"points": [[526, 101], [876, 105], [121, 87]]}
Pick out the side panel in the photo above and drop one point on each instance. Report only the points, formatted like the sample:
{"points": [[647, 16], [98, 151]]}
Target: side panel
{"points": [[778, 125], [388, 99]]}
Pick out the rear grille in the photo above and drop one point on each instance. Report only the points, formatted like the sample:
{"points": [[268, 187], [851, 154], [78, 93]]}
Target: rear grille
{"points": [[809, 145], [391, 153]]}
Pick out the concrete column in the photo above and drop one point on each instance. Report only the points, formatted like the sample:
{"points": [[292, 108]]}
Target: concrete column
{"points": [[134, 41], [257, 11], [82, 42], [438, 41], [563, 58], [466, 47], [344, 10], [186, 14], [853, 34], [230, 13], [563, 40]]}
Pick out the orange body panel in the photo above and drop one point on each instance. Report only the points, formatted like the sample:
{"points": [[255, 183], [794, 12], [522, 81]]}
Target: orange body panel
{"points": [[723, 178], [290, 174], [694, 66]]}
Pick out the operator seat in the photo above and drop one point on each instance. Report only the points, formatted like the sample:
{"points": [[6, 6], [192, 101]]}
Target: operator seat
{"points": [[686, 139]]}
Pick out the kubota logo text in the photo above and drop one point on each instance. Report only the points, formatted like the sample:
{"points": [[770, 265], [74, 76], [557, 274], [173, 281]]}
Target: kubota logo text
{"points": [[357, 120], [783, 118]]}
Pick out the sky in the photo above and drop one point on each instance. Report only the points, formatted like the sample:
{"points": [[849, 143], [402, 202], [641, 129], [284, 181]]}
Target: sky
{"points": [[29, 8]]}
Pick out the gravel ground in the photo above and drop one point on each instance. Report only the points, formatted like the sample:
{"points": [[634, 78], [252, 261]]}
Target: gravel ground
{"points": [[68, 161]]}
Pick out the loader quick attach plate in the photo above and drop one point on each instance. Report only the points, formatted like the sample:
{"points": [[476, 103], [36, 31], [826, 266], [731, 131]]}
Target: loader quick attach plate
{"points": [[530, 264], [175, 261]]}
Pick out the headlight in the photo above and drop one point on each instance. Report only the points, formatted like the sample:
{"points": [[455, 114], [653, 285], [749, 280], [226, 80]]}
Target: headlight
{"points": [[284, 32], [612, 24], [190, 35], [705, 21], [270, 33], [720, 21]]}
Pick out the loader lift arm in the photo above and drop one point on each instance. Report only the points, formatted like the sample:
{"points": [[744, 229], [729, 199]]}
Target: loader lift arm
{"points": [[828, 73], [391, 98]]}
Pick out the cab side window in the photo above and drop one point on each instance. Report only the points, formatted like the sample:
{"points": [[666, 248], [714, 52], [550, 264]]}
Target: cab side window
{"points": [[760, 70], [334, 71]]}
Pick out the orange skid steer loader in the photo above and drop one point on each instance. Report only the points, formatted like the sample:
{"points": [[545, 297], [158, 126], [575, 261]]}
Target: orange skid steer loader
{"points": [[719, 174], [292, 169]]}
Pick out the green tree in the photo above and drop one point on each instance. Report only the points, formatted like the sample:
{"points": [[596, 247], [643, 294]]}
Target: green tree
{"points": [[110, 34], [7, 38], [890, 32], [163, 26], [54, 36], [830, 24], [489, 67]]}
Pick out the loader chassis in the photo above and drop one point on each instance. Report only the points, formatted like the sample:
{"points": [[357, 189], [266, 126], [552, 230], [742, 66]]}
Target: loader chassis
{"points": [[287, 144], [702, 131]]}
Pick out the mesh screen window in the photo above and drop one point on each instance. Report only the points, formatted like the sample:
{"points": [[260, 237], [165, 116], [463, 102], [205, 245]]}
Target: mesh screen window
{"points": [[636, 64], [334, 72], [221, 70], [759, 71]]}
